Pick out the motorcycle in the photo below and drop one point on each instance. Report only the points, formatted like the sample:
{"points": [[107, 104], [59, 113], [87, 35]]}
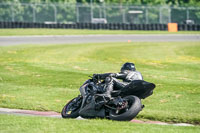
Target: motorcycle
{"points": [[123, 105]]}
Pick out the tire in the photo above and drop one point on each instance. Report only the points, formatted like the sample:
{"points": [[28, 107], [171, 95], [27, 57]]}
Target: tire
{"points": [[71, 111], [133, 110]]}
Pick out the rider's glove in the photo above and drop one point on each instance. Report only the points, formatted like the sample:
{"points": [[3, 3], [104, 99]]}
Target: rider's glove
{"points": [[96, 76]]}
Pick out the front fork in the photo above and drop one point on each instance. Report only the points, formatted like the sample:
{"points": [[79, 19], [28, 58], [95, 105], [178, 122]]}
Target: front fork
{"points": [[83, 94]]}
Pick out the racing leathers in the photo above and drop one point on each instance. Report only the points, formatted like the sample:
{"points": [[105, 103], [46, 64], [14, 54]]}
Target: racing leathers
{"points": [[113, 80]]}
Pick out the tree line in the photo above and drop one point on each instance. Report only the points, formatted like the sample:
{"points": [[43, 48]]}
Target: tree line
{"points": [[130, 2], [64, 12]]}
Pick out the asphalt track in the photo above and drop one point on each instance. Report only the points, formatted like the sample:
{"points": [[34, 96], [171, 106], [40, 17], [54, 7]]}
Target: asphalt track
{"points": [[75, 39]]}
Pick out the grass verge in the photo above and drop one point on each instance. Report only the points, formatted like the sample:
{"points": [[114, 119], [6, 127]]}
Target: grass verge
{"points": [[40, 125], [24, 32], [46, 77]]}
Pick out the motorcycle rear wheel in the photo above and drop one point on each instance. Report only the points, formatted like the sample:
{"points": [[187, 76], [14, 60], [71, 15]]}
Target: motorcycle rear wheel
{"points": [[72, 108], [135, 106]]}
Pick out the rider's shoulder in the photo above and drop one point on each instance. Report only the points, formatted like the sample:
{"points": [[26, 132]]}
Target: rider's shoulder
{"points": [[133, 73], [138, 72]]}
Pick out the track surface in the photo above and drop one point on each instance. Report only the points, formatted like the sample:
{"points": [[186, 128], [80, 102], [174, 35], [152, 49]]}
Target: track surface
{"points": [[57, 115], [74, 39]]}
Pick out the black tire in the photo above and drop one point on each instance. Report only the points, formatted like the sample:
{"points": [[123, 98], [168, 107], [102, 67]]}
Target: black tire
{"points": [[135, 106], [74, 110]]}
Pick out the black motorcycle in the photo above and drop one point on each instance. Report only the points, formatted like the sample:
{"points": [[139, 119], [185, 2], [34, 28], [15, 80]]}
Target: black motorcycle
{"points": [[123, 105]]}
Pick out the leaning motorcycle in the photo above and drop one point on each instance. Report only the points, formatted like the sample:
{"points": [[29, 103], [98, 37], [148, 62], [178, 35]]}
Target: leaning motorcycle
{"points": [[123, 105]]}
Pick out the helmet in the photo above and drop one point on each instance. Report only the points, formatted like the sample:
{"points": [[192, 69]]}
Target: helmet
{"points": [[128, 66]]}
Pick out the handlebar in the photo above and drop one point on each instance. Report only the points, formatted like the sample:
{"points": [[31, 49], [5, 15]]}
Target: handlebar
{"points": [[95, 80]]}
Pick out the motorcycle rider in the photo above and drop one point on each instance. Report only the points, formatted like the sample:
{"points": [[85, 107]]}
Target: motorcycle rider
{"points": [[113, 81]]}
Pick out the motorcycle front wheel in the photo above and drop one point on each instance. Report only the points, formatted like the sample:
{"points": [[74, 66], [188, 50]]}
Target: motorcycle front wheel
{"points": [[72, 108], [134, 106]]}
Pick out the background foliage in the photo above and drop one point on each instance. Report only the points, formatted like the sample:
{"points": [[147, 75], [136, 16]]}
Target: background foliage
{"points": [[135, 2]]}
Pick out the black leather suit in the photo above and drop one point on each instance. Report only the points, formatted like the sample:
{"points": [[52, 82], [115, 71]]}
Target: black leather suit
{"points": [[113, 80]]}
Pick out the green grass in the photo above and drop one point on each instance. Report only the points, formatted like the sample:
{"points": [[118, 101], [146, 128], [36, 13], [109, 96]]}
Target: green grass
{"points": [[40, 125], [46, 77], [22, 32]]}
